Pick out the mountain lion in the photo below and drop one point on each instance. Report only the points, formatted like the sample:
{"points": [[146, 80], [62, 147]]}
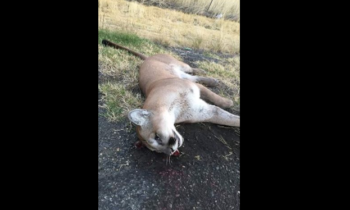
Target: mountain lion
{"points": [[173, 96]]}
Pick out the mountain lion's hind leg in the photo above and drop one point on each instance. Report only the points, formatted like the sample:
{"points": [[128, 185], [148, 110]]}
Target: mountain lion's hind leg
{"points": [[212, 97]]}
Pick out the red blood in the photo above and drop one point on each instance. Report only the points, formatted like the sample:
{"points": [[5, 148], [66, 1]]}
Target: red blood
{"points": [[139, 145], [176, 153]]}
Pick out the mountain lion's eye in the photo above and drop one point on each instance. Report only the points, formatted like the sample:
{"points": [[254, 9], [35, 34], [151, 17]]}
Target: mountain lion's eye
{"points": [[156, 137]]}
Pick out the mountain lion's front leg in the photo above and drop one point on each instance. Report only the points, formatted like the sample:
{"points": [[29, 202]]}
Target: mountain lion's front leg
{"points": [[204, 80], [203, 112], [181, 73], [217, 115]]}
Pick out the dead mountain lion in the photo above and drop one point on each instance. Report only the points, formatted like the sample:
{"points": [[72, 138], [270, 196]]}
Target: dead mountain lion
{"points": [[173, 96]]}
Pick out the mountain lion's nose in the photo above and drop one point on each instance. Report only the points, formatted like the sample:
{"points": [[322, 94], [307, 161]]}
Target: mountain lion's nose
{"points": [[172, 141]]}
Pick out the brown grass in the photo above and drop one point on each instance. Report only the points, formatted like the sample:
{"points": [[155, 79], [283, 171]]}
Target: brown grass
{"points": [[170, 27], [228, 8]]}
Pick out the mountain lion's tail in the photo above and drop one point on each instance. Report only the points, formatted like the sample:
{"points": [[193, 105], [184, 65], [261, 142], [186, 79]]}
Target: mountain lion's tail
{"points": [[111, 44]]}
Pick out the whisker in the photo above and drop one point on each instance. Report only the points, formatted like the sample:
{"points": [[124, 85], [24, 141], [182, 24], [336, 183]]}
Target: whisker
{"points": [[168, 160]]}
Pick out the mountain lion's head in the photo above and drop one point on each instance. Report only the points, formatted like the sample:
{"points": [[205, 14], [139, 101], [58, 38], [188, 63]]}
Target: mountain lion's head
{"points": [[156, 131]]}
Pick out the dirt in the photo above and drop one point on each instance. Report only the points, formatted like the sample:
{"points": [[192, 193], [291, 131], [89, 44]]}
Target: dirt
{"points": [[190, 56], [206, 175]]}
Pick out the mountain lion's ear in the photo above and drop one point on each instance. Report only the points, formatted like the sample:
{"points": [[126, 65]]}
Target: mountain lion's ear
{"points": [[139, 117]]}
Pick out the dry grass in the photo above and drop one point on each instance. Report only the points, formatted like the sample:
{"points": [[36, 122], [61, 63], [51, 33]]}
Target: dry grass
{"points": [[118, 100], [170, 27], [228, 8], [222, 140]]}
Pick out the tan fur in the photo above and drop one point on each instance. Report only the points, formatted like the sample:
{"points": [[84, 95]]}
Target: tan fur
{"points": [[173, 96]]}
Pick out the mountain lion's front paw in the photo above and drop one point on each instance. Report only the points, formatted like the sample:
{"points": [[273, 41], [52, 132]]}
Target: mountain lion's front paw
{"points": [[227, 103], [197, 71]]}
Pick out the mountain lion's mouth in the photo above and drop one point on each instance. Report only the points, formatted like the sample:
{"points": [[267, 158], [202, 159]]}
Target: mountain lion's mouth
{"points": [[176, 153]]}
